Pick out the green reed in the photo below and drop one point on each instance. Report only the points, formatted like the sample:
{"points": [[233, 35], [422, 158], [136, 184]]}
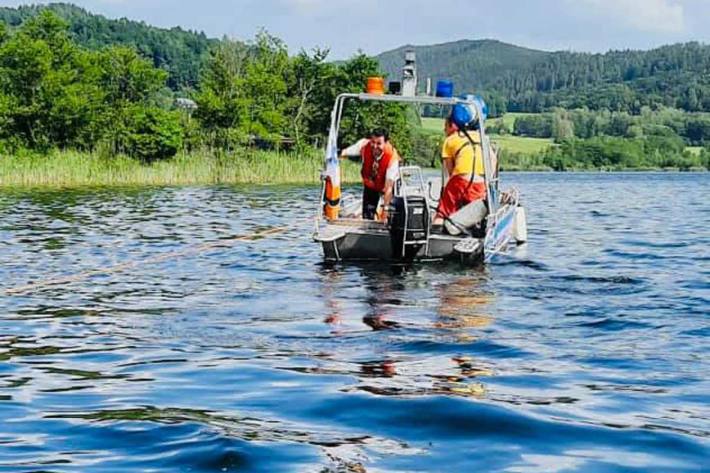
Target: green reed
{"points": [[75, 169]]}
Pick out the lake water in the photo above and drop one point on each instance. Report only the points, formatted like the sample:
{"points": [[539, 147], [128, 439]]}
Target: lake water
{"points": [[585, 350]]}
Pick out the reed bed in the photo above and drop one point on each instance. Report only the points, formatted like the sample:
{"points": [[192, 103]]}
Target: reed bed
{"points": [[76, 169]]}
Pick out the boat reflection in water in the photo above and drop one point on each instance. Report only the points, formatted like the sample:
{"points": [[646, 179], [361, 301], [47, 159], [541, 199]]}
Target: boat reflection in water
{"points": [[420, 335]]}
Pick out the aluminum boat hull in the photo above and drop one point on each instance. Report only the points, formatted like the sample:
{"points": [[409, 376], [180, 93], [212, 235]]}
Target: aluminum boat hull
{"points": [[369, 241]]}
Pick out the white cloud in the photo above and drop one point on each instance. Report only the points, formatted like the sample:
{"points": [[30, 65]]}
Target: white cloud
{"points": [[661, 16]]}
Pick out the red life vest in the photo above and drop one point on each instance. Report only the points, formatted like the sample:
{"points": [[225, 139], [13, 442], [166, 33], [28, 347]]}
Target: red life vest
{"points": [[374, 178]]}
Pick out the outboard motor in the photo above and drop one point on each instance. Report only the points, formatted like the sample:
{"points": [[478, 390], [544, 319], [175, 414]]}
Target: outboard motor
{"points": [[409, 226]]}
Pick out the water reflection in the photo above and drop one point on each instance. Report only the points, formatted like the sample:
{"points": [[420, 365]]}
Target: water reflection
{"points": [[396, 320]]}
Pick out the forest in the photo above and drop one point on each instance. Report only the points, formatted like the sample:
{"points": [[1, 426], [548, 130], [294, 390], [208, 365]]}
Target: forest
{"points": [[515, 79]]}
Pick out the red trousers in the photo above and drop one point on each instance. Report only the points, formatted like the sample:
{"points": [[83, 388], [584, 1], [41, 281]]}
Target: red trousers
{"points": [[458, 193]]}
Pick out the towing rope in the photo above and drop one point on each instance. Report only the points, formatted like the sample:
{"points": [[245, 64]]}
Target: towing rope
{"points": [[47, 283]]}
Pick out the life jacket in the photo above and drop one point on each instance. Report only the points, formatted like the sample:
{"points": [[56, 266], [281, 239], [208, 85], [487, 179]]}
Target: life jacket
{"points": [[374, 171]]}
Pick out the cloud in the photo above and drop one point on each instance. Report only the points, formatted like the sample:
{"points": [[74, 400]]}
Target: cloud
{"points": [[653, 16]]}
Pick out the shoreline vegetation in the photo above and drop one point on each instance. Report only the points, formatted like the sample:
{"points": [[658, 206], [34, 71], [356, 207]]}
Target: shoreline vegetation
{"points": [[70, 169], [64, 169]]}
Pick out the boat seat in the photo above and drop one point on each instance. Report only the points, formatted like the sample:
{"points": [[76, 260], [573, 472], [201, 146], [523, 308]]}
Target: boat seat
{"points": [[467, 217]]}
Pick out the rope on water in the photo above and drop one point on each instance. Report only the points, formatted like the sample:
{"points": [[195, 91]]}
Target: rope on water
{"points": [[41, 285]]}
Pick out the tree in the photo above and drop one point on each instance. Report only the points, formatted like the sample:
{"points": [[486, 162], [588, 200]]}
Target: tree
{"points": [[244, 94], [265, 87], [50, 84], [131, 86], [562, 126], [698, 130], [152, 133], [126, 77], [220, 100], [176, 51], [308, 72]]}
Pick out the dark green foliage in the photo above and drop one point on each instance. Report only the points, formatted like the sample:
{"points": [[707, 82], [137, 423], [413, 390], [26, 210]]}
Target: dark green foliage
{"points": [[48, 84], [537, 126], [221, 105], [621, 153], [126, 77], [705, 157], [472, 65], [425, 148], [265, 88], [359, 118], [55, 94], [255, 90], [151, 134], [311, 84], [534, 81], [697, 130], [177, 51], [562, 124], [243, 94]]}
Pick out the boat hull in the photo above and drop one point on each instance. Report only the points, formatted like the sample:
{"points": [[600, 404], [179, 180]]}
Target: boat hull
{"points": [[375, 244]]}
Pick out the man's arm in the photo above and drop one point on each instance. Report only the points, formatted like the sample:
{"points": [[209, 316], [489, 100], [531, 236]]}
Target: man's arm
{"points": [[353, 151], [447, 160], [494, 161], [390, 178], [449, 166]]}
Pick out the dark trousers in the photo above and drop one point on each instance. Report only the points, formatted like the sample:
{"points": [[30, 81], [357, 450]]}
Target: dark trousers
{"points": [[370, 199]]}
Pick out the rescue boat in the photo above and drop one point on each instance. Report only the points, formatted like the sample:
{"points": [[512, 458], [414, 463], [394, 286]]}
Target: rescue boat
{"points": [[475, 233]]}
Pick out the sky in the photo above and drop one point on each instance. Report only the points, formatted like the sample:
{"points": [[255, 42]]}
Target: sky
{"points": [[374, 26]]}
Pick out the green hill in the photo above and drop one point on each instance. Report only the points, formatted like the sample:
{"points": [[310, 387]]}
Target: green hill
{"points": [[527, 80], [178, 51], [472, 65]]}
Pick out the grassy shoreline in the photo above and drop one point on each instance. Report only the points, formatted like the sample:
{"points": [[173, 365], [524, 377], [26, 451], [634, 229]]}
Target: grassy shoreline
{"points": [[63, 169], [76, 169]]}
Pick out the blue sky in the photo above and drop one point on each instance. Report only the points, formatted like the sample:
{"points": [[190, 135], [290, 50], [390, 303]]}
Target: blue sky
{"points": [[374, 26]]}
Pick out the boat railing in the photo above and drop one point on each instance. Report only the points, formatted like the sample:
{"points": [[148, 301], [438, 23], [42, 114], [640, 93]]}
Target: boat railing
{"points": [[491, 176]]}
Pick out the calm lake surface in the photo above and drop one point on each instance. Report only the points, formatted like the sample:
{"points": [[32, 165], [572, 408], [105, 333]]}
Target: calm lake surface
{"points": [[585, 350]]}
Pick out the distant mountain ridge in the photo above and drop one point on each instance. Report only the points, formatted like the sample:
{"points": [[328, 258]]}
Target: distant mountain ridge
{"points": [[522, 79]]}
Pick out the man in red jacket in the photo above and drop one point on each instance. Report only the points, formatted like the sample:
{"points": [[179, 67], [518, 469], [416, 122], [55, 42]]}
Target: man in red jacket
{"points": [[380, 170]]}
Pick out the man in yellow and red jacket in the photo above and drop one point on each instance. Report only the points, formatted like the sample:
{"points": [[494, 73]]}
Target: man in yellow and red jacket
{"points": [[463, 163], [380, 170]]}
